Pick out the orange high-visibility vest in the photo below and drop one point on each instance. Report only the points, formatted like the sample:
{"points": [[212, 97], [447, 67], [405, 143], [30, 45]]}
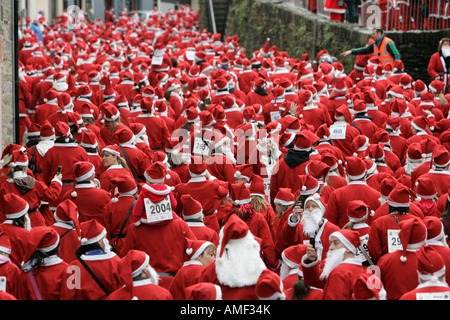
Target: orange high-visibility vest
{"points": [[382, 51]]}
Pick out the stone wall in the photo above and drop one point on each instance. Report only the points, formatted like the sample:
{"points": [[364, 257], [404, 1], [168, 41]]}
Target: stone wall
{"points": [[296, 31], [7, 82]]}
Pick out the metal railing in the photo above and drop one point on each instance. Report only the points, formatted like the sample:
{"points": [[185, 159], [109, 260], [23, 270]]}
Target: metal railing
{"points": [[391, 15]]}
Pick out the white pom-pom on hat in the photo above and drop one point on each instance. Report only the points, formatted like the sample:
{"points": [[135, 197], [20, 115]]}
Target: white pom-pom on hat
{"points": [[303, 188], [83, 241], [189, 251], [114, 200], [74, 194], [316, 196], [355, 154], [403, 259], [168, 176]]}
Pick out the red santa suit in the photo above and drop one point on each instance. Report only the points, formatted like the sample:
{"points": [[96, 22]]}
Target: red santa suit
{"points": [[336, 211], [8, 269], [110, 173], [14, 207], [49, 279], [63, 154], [89, 199], [344, 143], [167, 257], [383, 229], [130, 267], [103, 264], [208, 193], [68, 227]]}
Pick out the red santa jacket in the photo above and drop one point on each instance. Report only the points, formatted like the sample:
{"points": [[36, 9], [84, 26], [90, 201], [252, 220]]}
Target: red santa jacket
{"points": [[142, 290], [336, 211], [11, 272], [188, 275], [18, 238], [69, 240], [103, 265], [398, 276], [49, 280]]}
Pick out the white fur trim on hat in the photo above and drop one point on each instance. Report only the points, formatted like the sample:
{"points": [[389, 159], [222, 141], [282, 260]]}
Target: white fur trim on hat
{"points": [[344, 241], [86, 175], [19, 214], [141, 268], [85, 241]]}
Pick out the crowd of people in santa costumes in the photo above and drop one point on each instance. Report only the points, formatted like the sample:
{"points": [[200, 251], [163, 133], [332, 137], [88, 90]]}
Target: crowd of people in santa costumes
{"points": [[158, 161]]}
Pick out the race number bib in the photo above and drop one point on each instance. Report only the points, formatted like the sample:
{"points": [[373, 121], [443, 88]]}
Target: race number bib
{"points": [[433, 295], [157, 60], [359, 255], [274, 116], [201, 147], [157, 212], [338, 131], [3, 284], [393, 240]]}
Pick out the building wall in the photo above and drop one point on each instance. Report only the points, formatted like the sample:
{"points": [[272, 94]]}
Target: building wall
{"points": [[7, 87]]}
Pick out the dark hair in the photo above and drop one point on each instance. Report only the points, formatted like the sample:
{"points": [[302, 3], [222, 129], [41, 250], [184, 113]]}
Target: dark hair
{"points": [[38, 257], [399, 210], [379, 30], [85, 248], [301, 290]]}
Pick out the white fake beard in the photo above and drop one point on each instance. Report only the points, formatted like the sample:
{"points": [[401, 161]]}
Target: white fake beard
{"points": [[106, 245], [27, 222], [445, 51], [310, 221], [284, 270], [382, 200], [241, 263], [334, 258], [154, 277]]}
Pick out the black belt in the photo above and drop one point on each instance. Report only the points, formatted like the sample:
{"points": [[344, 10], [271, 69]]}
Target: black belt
{"points": [[166, 274], [119, 236], [33, 210], [157, 149], [67, 182]]}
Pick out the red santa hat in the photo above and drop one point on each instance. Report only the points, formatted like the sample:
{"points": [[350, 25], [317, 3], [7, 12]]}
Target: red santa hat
{"points": [[111, 113], [414, 152], [244, 171], [427, 99], [387, 185], [317, 169], [234, 231], [436, 86], [308, 185], [34, 130], [419, 87], [67, 212], [197, 167], [192, 209], [124, 136], [156, 173], [203, 291], [430, 264], [65, 102], [359, 106], [269, 286], [400, 196], [365, 288], [195, 248], [440, 156], [240, 194], [125, 185], [412, 235], [192, 114], [5, 244], [91, 232], [18, 159], [41, 238], [342, 113], [355, 168], [112, 149], [357, 211], [375, 152], [435, 229], [396, 91], [331, 160], [62, 130], [292, 255], [47, 131], [284, 197], [14, 206], [304, 140], [83, 170], [257, 187], [349, 238], [89, 140], [360, 144], [425, 188]]}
